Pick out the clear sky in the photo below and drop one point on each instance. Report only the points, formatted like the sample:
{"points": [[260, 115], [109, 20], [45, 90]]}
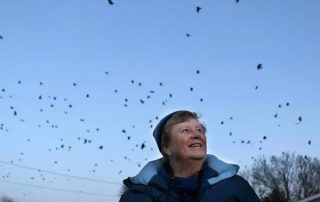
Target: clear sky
{"points": [[82, 84]]}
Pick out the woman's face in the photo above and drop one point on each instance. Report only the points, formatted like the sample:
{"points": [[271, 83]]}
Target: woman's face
{"points": [[188, 141]]}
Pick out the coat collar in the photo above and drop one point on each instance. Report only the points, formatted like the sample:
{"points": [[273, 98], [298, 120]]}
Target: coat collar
{"points": [[151, 169]]}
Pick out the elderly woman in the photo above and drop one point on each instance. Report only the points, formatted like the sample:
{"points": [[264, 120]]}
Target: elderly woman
{"points": [[186, 173]]}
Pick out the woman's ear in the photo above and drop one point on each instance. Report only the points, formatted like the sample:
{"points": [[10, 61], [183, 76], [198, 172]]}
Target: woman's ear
{"points": [[166, 150]]}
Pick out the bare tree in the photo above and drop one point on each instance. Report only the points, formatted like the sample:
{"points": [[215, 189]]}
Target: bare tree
{"points": [[6, 199], [287, 177], [308, 176], [275, 196]]}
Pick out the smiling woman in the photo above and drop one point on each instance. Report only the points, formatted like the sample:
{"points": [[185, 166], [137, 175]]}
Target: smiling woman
{"points": [[183, 143], [186, 172]]}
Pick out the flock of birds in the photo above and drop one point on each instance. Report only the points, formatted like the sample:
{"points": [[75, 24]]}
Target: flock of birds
{"points": [[51, 101], [68, 107]]}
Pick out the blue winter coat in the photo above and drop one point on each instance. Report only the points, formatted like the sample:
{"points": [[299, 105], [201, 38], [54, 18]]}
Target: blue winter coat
{"points": [[218, 182]]}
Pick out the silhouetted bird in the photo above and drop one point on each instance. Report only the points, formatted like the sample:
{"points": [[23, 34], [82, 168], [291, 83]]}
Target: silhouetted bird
{"points": [[143, 146], [309, 142], [300, 118], [110, 2], [198, 9], [259, 66], [237, 1], [187, 34]]}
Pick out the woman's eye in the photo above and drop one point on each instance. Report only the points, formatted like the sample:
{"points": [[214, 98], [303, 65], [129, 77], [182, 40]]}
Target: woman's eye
{"points": [[185, 130], [200, 130]]}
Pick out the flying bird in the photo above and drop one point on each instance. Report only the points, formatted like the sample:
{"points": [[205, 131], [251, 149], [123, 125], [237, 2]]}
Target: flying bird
{"points": [[110, 2], [259, 66], [198, 8]]}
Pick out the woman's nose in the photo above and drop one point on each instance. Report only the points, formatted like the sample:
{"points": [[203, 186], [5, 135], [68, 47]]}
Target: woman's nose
{"points": [[195, 134]]}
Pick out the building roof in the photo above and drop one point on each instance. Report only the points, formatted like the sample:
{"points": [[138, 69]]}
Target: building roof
{"points": [[310, 198]]}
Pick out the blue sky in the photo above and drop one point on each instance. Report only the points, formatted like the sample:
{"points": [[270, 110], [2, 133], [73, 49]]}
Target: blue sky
{"points": [[92, 59]]}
